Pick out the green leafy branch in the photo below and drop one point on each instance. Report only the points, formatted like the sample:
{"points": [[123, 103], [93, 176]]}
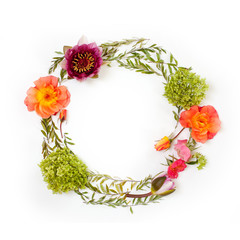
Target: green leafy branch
{"points": [[109, 191], [51, 140], [140, 58], [67, 140], [110, 49], [55, 62], [177, 115]]}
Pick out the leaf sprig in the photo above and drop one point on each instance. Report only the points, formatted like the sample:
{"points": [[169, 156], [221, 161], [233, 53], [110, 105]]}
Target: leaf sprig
{"points": [[55, 62], [51, 139], [109, 191], [147, 60], [111, 48]]}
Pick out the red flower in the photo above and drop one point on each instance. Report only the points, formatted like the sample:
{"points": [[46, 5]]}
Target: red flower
{"points": [[204, 122], [176, 167]]}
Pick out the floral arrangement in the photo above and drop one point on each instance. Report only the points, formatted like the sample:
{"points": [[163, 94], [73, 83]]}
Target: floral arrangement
{"points": [[63, 171]]}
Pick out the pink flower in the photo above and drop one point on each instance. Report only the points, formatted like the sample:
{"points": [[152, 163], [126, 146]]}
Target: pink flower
{"points": [[83, 60], [182, 150], [176, 167]]}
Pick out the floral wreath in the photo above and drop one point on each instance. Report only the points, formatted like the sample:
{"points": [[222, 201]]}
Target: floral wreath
{"points": [[63, 171]]}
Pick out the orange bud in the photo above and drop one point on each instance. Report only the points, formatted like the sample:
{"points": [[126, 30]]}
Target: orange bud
{"points": [[63, 115], [164, 143]]}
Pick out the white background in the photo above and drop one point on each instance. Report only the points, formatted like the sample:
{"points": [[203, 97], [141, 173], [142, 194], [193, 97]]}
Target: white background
{"points": [[114, 120]]}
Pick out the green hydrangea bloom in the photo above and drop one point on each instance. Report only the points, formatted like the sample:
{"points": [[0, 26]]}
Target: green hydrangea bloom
{"points": [[63, 171], [185, 89], [201, 160]]}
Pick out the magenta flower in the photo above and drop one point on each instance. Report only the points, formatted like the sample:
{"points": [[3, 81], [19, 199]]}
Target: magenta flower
{"points": [[176, 167], [182, 150], [83, 60]]}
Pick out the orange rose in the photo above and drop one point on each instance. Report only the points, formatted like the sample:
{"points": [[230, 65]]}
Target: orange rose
{"points": [[164, 143], [46, 98], [204, 122]]}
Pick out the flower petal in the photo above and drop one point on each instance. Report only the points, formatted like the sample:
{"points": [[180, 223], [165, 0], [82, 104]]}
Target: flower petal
{"points": [[82, 40]]}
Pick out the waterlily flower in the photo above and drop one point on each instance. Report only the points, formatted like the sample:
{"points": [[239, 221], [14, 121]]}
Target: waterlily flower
{"points": [[83, 60], [162, 185]]}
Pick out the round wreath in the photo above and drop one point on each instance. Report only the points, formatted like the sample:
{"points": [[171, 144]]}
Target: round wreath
{"points": [[63, 171]]}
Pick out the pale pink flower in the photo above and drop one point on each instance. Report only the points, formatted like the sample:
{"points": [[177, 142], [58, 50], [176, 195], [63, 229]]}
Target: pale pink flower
{"points": [[182, 150], [162, 185]]}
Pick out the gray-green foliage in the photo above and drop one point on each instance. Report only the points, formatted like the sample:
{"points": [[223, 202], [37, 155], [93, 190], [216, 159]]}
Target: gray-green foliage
{"points": [[185, 89], [112, 192], [63, 171], [141, 57], [51, 140]]}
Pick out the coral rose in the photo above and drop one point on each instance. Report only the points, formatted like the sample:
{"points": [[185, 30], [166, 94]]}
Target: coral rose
{"points": [[164, 143], [203, 121], [46, 98]]}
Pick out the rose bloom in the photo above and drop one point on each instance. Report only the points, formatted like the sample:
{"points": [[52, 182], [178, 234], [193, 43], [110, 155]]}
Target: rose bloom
{"points": [[176, 167], [182, 150], [46, 98], [203, 121], [83, 60], [164, 143]]}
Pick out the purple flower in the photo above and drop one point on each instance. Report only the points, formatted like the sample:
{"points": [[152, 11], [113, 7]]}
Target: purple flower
{"points": [[83, 60]]}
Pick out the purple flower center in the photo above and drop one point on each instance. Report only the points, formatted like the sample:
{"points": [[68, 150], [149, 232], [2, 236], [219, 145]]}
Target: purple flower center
{"points": [[83, 62]]}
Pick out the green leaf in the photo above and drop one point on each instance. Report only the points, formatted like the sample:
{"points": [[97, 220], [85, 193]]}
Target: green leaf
{"points": [[131, 210], [44, 133]]}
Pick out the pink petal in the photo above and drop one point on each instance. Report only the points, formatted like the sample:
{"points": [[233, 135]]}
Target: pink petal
{"points": [[168, 185], [63, 64], [183, 151], [82, 40]]}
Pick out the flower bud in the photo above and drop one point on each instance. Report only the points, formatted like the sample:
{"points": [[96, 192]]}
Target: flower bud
{"points": [[63, 115], [162, 185], [164, 143]]}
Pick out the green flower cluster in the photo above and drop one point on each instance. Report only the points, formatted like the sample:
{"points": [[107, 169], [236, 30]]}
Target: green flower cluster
{"points": [[63, 171], [185, 89], [201, 160]]}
